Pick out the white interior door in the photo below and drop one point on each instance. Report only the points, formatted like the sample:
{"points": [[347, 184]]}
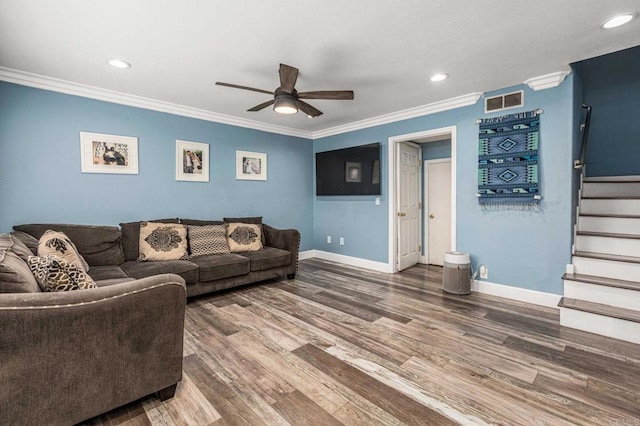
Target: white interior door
{"points": [[437, 210], [408, 220]]}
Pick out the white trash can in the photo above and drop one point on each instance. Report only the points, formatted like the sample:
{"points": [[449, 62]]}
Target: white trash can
{"points": [[456, 277]]}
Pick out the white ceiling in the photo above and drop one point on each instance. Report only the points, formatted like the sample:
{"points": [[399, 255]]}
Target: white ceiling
{"points": [[384, 50]]}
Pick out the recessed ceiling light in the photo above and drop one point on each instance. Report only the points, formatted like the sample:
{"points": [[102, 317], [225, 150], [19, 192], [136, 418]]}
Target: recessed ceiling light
{"points": [[618, 20], [439, 77], [119, 63]]}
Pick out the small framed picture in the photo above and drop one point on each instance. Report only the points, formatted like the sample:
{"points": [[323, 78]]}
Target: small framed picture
{"points": [[100, 153], [353, 172], [192, 161], [251, 165]]}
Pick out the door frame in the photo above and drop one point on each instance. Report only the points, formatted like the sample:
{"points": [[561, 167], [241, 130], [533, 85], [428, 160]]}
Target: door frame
{"points": [[392, 167], [425, 204]]}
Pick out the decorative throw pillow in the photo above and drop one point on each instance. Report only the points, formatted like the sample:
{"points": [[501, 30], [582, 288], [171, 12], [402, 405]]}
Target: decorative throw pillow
{"points": [[56, 274], [244, 237], [162, 241], [58, 244], [257, 220], [208, 239]]}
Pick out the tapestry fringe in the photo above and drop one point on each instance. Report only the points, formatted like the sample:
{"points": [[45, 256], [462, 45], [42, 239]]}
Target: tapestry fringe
{"points": [[514, 207]]}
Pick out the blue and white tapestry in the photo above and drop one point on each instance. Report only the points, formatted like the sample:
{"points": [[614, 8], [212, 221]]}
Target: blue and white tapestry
{"points": [[508, 161]]}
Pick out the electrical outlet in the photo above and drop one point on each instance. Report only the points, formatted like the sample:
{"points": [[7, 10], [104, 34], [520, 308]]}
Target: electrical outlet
{"points": [[328, 239], [341, 241], [377, 201], [484, 272]]}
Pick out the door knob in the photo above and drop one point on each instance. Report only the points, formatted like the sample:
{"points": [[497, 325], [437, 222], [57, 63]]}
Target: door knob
{"points": [[431, 216], [401, 214]]}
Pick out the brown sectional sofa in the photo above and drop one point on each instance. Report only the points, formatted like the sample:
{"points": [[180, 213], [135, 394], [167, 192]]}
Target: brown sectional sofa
{"points": [[69, 356]]}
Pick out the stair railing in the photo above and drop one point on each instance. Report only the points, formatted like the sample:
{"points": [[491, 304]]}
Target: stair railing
{"points": [[584, 128]]}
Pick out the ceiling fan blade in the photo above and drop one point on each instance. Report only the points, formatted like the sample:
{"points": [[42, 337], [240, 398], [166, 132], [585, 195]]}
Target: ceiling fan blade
{"points": [[288, 77], [262, 105], [327, 94], [308, 109], [235, 86]]}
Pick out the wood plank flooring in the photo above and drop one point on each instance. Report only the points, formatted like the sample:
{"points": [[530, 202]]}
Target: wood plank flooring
{"points": [[341, 345]]}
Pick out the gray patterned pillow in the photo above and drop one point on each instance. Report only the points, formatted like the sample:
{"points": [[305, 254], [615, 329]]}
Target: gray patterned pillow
{"points": [[208, 239], [162, 241], [56, 274], [244, 237]]}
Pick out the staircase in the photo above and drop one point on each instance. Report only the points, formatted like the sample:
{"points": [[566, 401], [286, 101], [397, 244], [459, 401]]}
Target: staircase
{"points": [[602, 295]]}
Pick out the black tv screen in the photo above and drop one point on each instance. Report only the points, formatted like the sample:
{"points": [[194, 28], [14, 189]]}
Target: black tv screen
{"points": [[349, 171]]}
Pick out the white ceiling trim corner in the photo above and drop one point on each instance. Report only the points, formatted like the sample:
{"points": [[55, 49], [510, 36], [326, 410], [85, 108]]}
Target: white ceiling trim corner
{"points": [[547, 81], [68, 87], [432, 108]]}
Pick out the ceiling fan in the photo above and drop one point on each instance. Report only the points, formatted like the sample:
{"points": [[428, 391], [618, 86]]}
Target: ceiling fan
{"points": [[287, 100]]}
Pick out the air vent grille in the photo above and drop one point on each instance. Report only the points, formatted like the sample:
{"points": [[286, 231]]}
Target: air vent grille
{"points": [[506, 101]]}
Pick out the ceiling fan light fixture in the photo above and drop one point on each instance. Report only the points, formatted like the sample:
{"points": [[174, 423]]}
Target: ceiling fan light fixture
{"points": [[285, 104], [618, 20]]}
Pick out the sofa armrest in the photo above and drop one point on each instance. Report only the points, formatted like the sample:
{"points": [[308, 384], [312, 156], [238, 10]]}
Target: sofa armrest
{"points": [[74, 355], [284, 239]]}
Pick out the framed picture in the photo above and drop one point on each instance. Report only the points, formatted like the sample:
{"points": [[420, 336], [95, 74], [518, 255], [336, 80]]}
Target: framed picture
{"points": [[353, 172], [101, 153], [192, 161], [251, 165]]}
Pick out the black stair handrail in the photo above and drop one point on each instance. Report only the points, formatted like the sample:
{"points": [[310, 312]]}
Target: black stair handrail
{"points": [[578, 164]]}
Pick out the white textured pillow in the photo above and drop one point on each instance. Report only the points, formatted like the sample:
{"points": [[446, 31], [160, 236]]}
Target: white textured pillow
{"points": [[55, 274], [162, 241], [58, 244]]}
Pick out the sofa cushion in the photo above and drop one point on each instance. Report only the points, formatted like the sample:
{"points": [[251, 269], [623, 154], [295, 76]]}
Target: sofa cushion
{"points": [[244, 237], [99, 245], [56, 274], [15, 274], [196, 222], [131, 237], [255, 220], [268, 258], [58, 244], [110, 272], [162, 241], [186, 269], [207, 239], [29, 241], [217, 266]]}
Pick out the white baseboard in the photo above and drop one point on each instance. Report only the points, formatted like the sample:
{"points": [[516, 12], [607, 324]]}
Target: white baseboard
{"points": [[515, 293], [347, 260]]}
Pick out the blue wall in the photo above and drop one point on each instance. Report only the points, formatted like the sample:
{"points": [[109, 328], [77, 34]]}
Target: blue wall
{"points": [[611, 85], [527, 249], [436, 150], [40, 178]]}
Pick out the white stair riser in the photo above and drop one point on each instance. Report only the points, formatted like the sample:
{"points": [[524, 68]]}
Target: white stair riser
{"points": [[612, 225], [613, 207], [609, 245], [606, 268], [599, 324], [613, 296], [617, 189]]}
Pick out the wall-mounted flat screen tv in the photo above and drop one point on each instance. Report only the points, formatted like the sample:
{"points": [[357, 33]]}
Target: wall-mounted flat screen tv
{"points": [[349, 171]]}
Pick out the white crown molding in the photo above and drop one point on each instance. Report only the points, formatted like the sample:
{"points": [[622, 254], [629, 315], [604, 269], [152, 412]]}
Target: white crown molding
{"points": [[432, 108], [63, 86], [547, 81]]}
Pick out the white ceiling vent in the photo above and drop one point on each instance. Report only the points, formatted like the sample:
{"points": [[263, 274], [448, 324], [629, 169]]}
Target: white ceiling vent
{"points": [[506, 101]]}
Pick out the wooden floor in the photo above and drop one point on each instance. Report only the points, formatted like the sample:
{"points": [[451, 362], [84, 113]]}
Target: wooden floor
{"points": [[340, 345]]}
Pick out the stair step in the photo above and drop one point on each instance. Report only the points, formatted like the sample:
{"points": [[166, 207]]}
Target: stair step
{"points": [[623, 324], [609, 235], [620, 295], [610, 266], [604, 281], [600, 309], [609, 225], [608, 244], [610, 189], [612, 206], [612, 179]]}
